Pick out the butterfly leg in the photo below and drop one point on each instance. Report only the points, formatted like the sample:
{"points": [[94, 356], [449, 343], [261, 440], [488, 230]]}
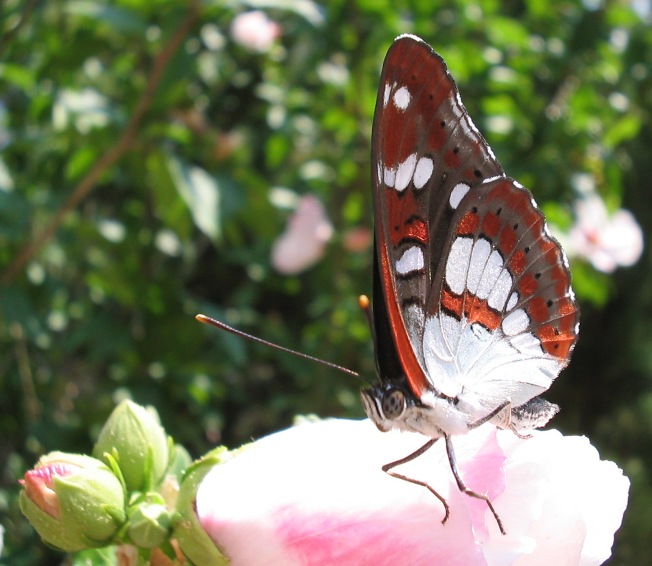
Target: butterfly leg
{"points": [[506, 420], [387, 468], [491, 415], [519, 434], [462, 486]]}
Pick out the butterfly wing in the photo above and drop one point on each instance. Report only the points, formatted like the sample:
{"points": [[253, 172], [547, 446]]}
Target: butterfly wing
{"points": [[424, 144], [459, 300], [503, 320]]}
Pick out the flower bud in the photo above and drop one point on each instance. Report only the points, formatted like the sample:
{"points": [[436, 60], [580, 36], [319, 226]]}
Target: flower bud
{"points": [[133, 437], [149, 522], [73, 501]]}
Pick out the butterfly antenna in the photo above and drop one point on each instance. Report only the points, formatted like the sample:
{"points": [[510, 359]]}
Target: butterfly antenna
{"points": [[222, 326]]}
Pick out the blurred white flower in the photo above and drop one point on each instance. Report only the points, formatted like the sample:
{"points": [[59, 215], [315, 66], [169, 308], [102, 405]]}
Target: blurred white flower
{"points": [[86, 108], [606, 240], [334, 71], [315, 495], [255, 30], [304, 240]]}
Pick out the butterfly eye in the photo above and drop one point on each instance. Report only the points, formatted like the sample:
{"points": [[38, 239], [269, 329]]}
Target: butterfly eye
{"points": [[393, 403]]}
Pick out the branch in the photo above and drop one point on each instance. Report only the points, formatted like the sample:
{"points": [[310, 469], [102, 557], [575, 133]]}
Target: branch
{"points": [[87, 183]]}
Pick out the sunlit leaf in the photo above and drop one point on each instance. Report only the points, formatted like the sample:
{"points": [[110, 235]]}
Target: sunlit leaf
{"points": [[202, 194]]}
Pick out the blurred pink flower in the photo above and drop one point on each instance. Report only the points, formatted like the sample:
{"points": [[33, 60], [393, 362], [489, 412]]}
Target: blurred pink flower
{"points": [[607, 241], [255, 30], [315, 495], [304, 240], [358, 240]]}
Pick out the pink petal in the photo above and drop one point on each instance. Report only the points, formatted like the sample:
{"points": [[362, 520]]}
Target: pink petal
{"points": [[315, 495], [607, 241], [39, 485], [255, 30], [304, 241]]}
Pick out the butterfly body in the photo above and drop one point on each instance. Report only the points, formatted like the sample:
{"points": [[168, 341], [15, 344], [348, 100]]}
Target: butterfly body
{"points": [[473, 313]]}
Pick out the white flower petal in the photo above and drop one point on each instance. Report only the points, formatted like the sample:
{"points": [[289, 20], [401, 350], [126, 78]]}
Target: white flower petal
{"points": [[607, 241], [315, 494]]}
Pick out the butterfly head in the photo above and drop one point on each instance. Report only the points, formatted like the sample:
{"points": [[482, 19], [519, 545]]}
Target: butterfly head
{"points": [[386, 405], [392, 406]]}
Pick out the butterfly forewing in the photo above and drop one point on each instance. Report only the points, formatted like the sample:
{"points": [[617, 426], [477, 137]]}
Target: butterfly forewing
{"points": [[424, 145]]}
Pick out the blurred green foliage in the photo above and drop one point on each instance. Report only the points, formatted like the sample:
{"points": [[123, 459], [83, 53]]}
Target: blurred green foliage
{"points": [[153, 147]]}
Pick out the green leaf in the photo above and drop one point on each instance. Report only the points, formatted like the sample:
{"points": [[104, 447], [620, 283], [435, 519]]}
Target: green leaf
{"points": [[202, 194], [20, 76], [118, 18], [624, 129]]}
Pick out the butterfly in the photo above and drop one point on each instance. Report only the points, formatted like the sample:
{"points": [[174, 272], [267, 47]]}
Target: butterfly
{"points": [[473, 315]]}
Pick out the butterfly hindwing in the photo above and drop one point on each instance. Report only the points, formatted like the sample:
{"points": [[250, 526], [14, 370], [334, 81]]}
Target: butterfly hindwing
{"points": [[506, 313]]}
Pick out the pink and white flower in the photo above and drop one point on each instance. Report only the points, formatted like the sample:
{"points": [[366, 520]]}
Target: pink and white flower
{"points": [[315, 495], [255, 31], [304, 241], [606, 240]]}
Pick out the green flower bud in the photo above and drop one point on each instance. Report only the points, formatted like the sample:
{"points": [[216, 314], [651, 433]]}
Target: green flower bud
{"points": [[149, 522], [133, 439], [73, 501]]}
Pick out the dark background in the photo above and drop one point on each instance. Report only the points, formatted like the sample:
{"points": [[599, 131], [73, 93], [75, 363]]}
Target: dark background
{"points": [[119, 120]]}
